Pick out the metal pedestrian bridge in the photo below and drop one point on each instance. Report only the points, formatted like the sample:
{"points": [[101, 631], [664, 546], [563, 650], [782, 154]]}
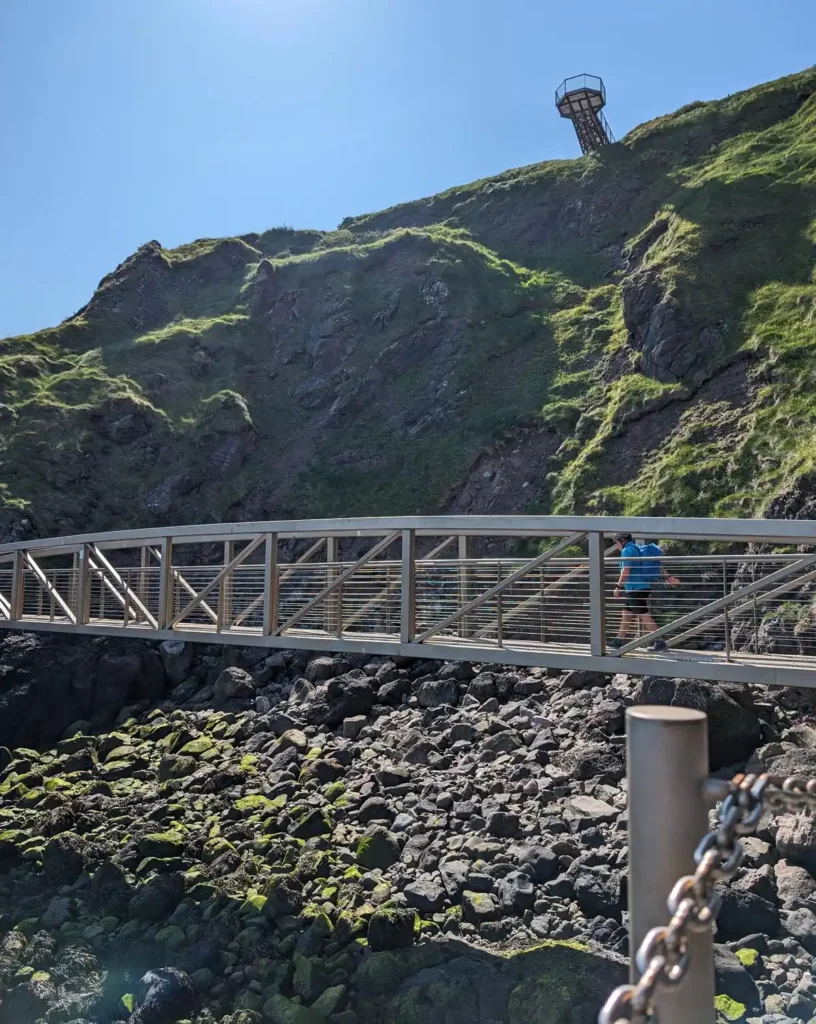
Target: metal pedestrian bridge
{"points": [[742, 607]]}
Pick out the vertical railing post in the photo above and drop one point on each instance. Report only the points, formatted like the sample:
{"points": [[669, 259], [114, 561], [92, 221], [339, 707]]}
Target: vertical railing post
{"points": [[464, 581], [270, 584], [144, 574], [225, 590], [81, 608], [74, 583], [597, 595], [499, 609], [408, 588], [726, 622], [330, 618], [667, 764], [17, 587], [166, 589]]}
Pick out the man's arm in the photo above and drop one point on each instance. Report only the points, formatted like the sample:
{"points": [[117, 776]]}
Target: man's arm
{"points": [[624, 576]]}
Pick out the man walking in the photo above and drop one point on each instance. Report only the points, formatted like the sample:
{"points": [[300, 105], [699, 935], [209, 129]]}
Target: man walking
{"points": [[640, 569]]}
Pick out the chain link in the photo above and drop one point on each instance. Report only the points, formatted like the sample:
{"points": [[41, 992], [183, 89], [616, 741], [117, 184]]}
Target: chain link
{"points": [[663, 957]]}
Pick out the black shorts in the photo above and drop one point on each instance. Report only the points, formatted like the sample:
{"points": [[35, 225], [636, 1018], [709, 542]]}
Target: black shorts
{"points": [[637, 602]]}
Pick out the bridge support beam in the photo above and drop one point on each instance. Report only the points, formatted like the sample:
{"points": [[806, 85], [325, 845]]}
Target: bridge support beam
{"points": [[667, 761]]}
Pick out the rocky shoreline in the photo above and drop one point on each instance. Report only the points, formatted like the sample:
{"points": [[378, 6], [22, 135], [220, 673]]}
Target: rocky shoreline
{"points": [[239, 836]]}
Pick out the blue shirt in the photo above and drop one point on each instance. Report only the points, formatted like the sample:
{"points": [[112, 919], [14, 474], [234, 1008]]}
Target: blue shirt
{"points": [[633, 581]]}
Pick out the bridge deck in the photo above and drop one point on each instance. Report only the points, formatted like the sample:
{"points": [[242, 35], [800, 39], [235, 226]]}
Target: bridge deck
{"points": [[726, 608]]}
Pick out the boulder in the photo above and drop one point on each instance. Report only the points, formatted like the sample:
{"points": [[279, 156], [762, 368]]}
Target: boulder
{"points": [[801, 924], [176, 658], [322, 668], [734, 727], [164, 995], [233, 684], [378, 848], [584, 761], [743, 913], [62, 860], [733, 980], [343, 697], [158, 898], [391, 928], [437, 692], [796, 840], [426, 895]]}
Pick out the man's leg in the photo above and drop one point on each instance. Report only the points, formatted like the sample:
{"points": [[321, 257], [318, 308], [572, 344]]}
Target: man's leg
{"points": [[627, 618]]}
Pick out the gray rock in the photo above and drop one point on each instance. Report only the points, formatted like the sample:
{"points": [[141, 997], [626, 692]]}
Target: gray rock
{"points": [[599, 892], [478, 907], [801, 924], [322, 668], [733, 980], [503, 824], [734, 729], [743, 913], [62, 860], [794, 883], [516, 892], [504, 742], [233, 684], [482, 687], [426, 895], [176, 657], [541, 861], [391, 928], [589, 760], [586, 811], [374, 809], [164, 995], [437, 692], [158, 898], [378, 848], [352, 726], [796, 839]]}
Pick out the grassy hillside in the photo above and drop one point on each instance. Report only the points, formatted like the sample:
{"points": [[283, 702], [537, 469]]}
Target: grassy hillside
{"points": [[634, 330]]}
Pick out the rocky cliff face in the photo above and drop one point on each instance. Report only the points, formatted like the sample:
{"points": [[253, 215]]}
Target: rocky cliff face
{"points": [[630, 331]]}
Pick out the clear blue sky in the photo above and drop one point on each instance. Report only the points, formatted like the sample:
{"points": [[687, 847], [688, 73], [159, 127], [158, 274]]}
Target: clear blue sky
{"points": [[127, 120]]}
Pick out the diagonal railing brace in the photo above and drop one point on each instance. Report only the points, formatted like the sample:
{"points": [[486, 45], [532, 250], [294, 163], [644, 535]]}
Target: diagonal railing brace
{"points": [[99, 563], [386, 591], [185, 586], [257, 601], [742, 609], [239, 558], [49, 586], [537, 597], [499, 587], [715, 606], [386, 542]]}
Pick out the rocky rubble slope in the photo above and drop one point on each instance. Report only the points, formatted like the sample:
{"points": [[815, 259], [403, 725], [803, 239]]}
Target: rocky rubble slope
{"points": [[292, 840]]}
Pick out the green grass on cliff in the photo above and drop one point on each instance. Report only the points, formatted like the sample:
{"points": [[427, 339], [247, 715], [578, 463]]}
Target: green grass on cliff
{"points": [[369, 367]]}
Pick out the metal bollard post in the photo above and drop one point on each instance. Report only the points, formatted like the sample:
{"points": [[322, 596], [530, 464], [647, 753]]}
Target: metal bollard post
{"points": [[667, 759]]}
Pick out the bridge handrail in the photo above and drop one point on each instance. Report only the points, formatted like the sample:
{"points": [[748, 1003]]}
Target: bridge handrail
{"points": [[763, 531]]}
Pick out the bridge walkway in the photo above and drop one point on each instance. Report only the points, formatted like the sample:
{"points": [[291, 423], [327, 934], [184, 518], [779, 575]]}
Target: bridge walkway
{"points": [[739, 604]]}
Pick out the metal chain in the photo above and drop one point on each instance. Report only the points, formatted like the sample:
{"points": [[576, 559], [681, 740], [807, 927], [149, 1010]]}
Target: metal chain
{"points": [[663, 957]]}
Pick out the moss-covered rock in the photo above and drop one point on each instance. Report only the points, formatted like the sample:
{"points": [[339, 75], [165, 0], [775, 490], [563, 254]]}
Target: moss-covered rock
{"points": [[161, 844]]}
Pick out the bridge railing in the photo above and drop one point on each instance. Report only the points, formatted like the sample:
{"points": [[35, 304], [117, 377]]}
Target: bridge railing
{"points": [[452, 587]]}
